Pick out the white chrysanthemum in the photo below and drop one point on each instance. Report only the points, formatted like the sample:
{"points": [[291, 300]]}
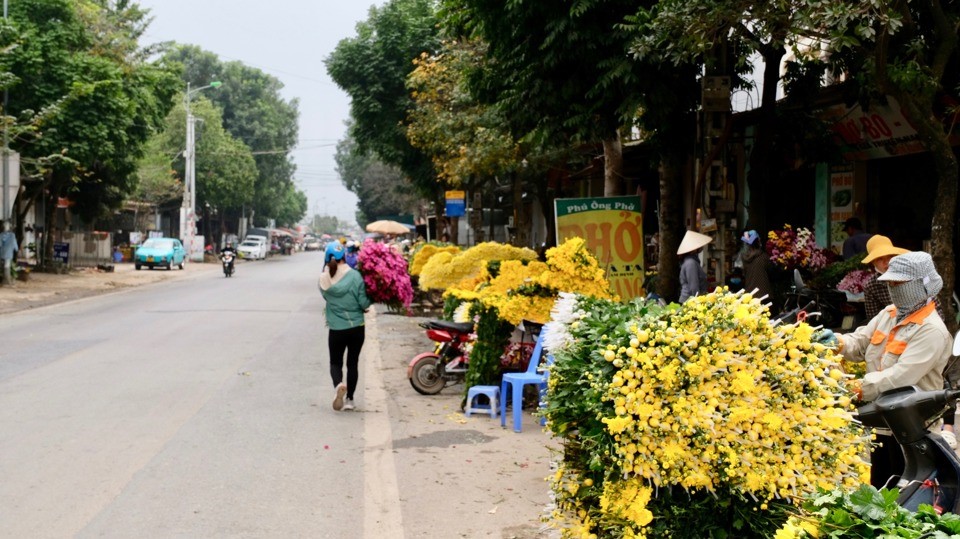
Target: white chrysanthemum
{"points": [[462, 313], [563, 313]]}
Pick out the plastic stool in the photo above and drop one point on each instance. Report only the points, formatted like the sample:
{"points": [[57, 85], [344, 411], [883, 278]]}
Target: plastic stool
{"points": [[492, 393]]}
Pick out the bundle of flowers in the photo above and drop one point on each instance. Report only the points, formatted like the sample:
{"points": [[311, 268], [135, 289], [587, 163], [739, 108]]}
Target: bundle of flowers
{"points": [[701, 420], [423, 252], [445, 270], [527, 290], [856, 281], [790, 249], [384, 271]]}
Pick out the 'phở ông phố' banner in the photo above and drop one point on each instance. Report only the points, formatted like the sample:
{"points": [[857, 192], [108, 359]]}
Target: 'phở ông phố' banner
{"points": [[612, 228]]}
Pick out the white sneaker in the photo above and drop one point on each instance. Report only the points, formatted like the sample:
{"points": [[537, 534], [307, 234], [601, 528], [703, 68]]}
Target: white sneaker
{"points": [[338, 400], [348, 404]]}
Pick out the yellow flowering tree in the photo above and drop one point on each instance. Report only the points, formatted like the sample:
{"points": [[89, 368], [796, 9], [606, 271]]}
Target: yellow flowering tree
{"points": [[706, 419]]}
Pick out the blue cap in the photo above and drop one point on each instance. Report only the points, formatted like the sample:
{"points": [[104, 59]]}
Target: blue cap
{"points": [[750, 237], [334, 251]]}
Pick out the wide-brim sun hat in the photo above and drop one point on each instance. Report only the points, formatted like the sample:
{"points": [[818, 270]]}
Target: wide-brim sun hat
{"points": [[692, 241], [879, 246]]}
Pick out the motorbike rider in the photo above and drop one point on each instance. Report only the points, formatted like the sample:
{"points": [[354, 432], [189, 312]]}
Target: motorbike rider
{"points": [[228, 249], [906, 344], [353, 251]]}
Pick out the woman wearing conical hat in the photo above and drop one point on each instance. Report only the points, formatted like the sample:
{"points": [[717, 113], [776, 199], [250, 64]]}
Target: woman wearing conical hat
{"points": [[693, 280]]}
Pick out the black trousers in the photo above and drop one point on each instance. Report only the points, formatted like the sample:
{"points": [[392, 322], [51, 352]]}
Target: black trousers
{"points": [[351, 341], [885, 461]]}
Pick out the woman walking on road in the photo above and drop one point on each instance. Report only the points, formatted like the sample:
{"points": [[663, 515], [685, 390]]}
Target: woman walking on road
{"points": [[346, 296]]}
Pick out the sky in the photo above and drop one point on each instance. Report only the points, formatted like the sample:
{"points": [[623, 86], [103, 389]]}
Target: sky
{"points": [[288, 39]]}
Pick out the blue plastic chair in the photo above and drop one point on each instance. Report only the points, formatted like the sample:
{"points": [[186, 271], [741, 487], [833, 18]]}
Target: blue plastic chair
{"points": [[516, 382]]}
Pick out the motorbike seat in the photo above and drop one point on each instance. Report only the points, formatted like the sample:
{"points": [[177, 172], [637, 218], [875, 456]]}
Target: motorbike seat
{"points": [[452, 326]]}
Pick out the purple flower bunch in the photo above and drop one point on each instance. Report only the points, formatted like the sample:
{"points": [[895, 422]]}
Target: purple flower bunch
{"points": [[384, 271], [856, 281], [791, 248]]}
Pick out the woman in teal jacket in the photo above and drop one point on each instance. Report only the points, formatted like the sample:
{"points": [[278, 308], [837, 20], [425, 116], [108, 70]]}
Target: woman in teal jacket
{"points": [[346, 296]]}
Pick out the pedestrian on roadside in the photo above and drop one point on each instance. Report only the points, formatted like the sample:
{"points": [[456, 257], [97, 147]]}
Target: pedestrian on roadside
{"points": [[756, 266], [906, 344], [8, 249], [693, 280], [346, 301], [856, 243]]}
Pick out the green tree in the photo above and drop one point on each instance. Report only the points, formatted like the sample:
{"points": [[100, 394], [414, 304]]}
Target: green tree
{"points": [[372, 68], [254, 112], [381, 189], [534, 49], [225, 169], [725, 36], [907, 50], [562, 69], [81, 58]]}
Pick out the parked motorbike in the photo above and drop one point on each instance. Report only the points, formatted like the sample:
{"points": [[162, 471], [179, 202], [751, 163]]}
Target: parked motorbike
{"points": [[227, 258], [830, 309], [430, 372], [931, 474]]}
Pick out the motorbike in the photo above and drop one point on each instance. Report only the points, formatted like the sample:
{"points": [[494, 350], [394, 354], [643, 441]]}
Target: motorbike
{"points": [[830, 309], [227, 259], [931, 473], [430, 372]]}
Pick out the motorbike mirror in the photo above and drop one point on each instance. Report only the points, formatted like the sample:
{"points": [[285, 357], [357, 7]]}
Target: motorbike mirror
{"points": [[956, 344], [797, 279]]}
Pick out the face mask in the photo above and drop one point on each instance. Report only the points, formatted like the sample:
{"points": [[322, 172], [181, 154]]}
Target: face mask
{"points": [[908, 297]]}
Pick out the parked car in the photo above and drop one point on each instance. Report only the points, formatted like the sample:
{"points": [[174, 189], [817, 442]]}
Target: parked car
{"points": [[312, 244], [160, 252], [252, 248]]}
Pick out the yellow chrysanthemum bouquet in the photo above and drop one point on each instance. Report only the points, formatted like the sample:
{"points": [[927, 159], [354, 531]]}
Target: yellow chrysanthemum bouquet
{"points": [[692, 420], [508, 285]]}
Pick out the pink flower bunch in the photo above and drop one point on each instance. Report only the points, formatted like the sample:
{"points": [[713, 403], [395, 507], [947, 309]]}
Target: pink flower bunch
{"points": [[789, 249], [384, 272], [856, 281]]}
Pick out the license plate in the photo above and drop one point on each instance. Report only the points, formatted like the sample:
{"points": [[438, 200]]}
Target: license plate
{"points": [[149, 259]]}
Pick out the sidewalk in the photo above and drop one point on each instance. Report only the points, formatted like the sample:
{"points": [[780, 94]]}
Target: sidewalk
{"points": [[458, 476], [43, 289]]}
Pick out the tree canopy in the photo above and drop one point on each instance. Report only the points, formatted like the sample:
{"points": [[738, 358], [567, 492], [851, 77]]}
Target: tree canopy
{"points": [[255, 113], [80, 62], [381, 189], [372, 68]]}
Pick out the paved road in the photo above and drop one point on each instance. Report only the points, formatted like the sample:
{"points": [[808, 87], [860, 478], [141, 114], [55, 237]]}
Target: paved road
{"points": [[200, 407]]}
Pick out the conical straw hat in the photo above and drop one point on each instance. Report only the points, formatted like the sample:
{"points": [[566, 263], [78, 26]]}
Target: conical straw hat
{"points": [[692, 241]]}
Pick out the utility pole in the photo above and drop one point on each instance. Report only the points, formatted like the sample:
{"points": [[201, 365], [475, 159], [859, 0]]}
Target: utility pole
{"points": [[188, 208], [6, 146]]}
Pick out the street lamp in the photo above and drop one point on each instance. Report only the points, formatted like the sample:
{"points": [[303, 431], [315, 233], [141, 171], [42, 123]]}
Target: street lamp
{"points": [[188, 213]]}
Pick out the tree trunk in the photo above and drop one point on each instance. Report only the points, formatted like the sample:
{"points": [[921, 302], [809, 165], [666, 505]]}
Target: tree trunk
{"points": [[930, 128], [762, 154], [671, 226], [57, 180], [612, 165]]}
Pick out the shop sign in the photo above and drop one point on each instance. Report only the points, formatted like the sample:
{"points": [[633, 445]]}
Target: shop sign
{"points": [[456, 204], [841, 203], [881, 131], [612, 228]]}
